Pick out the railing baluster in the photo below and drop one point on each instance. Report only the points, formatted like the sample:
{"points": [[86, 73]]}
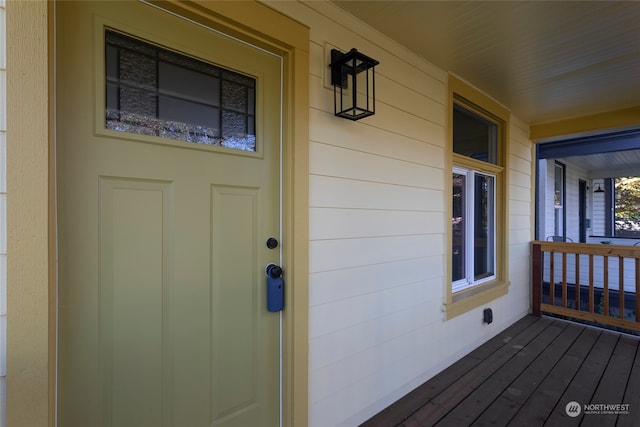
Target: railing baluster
{"points": [[564, 279], [637, 290], [605, 289], [552, 286], [591, 291], [621, 286], [577, 288], [598, 310]]}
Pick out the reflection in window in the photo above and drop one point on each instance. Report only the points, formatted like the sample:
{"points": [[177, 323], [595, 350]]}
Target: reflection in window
{"points": [[484, 227], [154, 91], [627, 206], [558, 199], [474, 136], [459, 235], [474, 228]]}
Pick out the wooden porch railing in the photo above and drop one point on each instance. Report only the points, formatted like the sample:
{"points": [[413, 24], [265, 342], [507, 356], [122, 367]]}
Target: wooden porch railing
{"points": [[591, 282]]}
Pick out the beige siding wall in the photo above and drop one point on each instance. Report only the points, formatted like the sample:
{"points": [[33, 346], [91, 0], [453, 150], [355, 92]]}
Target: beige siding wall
{"points": [[521, 216], [378, 230], [27, 206], [3, 216]]}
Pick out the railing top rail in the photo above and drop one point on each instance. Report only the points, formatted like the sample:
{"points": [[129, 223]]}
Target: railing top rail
{"points": [[589, 249]]}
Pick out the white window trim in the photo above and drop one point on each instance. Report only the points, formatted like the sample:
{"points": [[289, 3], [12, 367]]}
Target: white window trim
{"points": [[469, 280]]}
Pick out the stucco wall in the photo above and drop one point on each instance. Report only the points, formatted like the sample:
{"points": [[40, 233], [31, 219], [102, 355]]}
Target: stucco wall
{"points": [[378, 229]]}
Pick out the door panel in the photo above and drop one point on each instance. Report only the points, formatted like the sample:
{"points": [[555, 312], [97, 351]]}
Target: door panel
{"points": [[162, 311], [135, 220], [234, 309]]}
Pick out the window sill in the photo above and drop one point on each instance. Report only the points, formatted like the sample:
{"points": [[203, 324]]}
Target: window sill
{"points": [[468, 299]]}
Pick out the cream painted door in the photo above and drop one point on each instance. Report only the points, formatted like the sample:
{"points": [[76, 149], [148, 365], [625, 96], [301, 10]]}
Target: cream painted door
{"points": [[162, 302]]}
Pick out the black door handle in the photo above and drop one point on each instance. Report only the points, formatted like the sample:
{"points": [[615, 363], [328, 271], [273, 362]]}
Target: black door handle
{"points": [[275, 288]]}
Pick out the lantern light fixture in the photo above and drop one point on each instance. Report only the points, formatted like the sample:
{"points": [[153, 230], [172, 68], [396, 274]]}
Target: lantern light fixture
{"points": [[353, 80]]}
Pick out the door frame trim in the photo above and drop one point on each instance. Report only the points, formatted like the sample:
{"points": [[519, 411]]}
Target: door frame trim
{"points": [[31, 229]]}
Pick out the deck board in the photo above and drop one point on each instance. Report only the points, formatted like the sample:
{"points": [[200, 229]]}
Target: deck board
{"points": [[449, 398], [586, 380], [611, 387], [525, 376], [482, 397], [538, 407], [403, 408], [632, 395], [516, 394]]}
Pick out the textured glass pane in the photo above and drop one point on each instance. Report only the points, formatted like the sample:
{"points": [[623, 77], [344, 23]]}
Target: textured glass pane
{"points": [[154, 91], [234, 128], [138, 101], [234, 96], [137, 70], [458, 260]]}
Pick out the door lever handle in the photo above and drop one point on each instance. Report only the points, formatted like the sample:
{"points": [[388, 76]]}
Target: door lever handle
{"points": [[273, 271], [275, 288]]}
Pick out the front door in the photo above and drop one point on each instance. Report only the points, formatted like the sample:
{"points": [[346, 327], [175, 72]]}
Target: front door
{"points": [[167, 137]]}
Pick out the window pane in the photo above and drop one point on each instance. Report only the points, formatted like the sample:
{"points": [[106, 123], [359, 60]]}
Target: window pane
{"points": [[154, 91], [558, 200], [558, 184], [627, 206], [459, 235], [474, 136], [484, 226]]}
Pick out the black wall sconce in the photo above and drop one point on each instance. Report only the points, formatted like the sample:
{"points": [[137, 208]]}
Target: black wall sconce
{"points": [[353, 80]]}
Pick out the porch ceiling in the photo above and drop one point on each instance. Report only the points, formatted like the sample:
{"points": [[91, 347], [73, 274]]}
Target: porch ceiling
{"points": [[607, 165], [608, 155], [545, 61]]}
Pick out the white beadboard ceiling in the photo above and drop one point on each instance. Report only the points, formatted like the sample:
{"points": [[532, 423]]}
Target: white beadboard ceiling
{"points": [[544, 60], [608, 165]]}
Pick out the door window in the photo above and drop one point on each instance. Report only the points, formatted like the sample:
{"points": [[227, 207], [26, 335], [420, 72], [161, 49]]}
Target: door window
{"points": [[158, 92]]}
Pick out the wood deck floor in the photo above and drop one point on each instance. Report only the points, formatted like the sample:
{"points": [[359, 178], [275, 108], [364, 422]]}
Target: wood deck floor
{"points": [[526, 376]]}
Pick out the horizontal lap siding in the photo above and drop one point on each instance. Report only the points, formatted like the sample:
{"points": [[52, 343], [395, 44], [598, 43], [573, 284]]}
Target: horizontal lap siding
{"points": [[521, 206], [377, 242], [574, 175], [571, 205], [378, 229]]}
